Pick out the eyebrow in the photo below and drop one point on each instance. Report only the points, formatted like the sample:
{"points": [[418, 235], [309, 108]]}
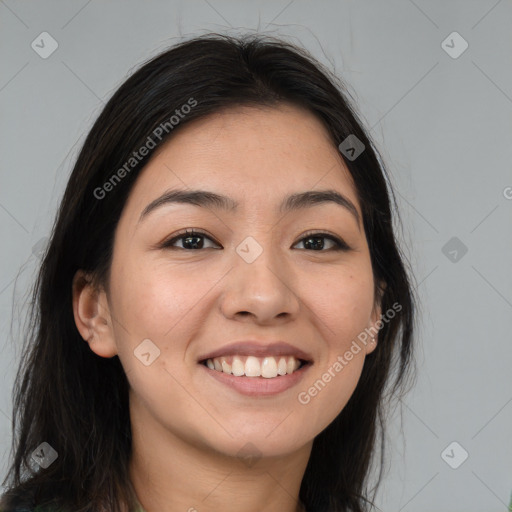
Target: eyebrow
{"points": [[207, 199]]}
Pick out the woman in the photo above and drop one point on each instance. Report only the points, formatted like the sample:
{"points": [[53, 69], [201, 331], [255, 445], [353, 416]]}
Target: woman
{"points": [[222, 303]]}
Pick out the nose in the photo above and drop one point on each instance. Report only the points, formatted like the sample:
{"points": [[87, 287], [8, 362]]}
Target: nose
{"points": [[261, 291]]}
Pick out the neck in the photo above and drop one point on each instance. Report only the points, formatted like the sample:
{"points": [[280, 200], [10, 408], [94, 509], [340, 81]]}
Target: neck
{"points": [[170, 474]]}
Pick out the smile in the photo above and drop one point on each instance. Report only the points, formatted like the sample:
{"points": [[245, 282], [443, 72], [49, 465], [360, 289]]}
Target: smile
{"points": [[268, 367]]}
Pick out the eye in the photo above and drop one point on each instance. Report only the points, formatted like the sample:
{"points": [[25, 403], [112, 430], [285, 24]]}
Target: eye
{"points": [[312, 240], [192, 239]]}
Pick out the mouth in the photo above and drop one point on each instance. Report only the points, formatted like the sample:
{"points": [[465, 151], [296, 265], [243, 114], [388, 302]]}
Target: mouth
{"points": [[256, 368], [267, 367]]}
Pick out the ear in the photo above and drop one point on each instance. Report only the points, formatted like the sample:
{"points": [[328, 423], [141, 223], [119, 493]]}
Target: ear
{"points": [[92, 315], [374, 320]]}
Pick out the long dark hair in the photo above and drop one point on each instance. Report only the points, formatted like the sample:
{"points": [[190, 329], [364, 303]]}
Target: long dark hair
{"points": [[77, 402]]}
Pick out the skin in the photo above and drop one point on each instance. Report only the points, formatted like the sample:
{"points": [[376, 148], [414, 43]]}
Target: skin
{"points": [[187, 427]]}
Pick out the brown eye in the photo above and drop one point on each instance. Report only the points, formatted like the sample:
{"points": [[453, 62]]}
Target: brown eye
{"points": [[314, 241], [192, 240]]}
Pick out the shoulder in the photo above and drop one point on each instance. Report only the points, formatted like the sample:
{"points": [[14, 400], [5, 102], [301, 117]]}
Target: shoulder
{"points": [[16, 501], [14, 507]]}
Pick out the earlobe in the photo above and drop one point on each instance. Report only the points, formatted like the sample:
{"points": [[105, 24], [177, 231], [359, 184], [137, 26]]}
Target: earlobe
{"points": [[374, 334], [376, 321], [371, 345], [92, 316]]}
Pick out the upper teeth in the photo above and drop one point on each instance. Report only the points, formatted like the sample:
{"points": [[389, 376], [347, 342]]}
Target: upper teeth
{"points": [[252, 366]]}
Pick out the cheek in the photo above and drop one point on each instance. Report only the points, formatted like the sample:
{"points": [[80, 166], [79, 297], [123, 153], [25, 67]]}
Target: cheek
{"points": [[342, 308], [326, 394], [154, 298], [163, 304], [157, 314], [343, 305]]}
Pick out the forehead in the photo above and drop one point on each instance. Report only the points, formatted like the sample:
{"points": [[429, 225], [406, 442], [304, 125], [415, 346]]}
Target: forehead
{"points": [[254, 155]]}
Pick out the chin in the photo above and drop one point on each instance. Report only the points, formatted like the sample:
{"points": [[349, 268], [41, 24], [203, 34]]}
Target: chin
{"points": [[265, 442]]}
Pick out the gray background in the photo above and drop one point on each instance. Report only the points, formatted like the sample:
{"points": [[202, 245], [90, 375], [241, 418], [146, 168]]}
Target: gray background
{"points": [[444, 126]]}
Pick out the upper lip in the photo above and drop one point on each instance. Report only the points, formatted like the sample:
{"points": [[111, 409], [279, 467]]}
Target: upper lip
{"points": [[258, 349]]}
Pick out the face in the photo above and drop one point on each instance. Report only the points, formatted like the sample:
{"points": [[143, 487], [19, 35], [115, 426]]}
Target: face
{"points": [[284, 284]]}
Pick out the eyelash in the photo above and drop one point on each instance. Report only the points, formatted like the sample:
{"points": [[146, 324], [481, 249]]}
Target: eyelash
{"points": [[340, 245]]}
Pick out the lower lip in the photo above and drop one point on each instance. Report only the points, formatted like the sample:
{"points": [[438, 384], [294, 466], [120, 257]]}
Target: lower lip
{"points": [[259, 386]]}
